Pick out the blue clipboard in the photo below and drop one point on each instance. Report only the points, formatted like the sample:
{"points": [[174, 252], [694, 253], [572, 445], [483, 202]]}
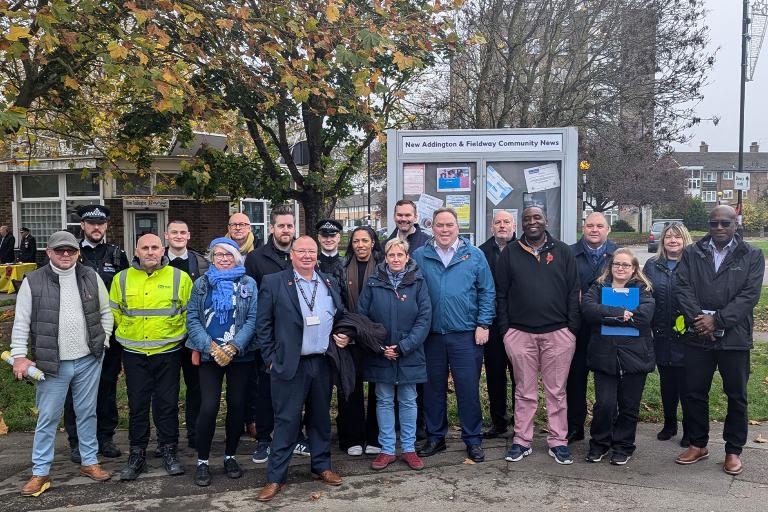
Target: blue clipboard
{"points": [[626, 298]]}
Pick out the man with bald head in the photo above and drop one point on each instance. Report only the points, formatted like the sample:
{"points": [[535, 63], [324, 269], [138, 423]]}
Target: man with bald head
{"points": [[538, 311], [239, 230], [719, 280], [592, 253], [503, 227], [149, 302]]}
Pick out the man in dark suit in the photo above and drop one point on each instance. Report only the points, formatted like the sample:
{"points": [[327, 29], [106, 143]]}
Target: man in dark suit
{"points": [[295, 318], [7, 242], [27, 247]]}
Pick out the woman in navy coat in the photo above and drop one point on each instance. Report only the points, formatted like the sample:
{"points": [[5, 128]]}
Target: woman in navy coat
{"points": [[396, 296]]}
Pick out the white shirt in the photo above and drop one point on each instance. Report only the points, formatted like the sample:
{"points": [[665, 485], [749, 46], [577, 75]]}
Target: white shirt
{"points": [[719, 255], [184, 256], [446, 255]]}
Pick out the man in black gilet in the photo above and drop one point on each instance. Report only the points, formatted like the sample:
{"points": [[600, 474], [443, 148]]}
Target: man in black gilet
{"points": [[107, 260]]}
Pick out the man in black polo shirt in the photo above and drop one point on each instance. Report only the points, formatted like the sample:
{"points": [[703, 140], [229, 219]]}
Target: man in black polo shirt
{"points": [[107, 260]]}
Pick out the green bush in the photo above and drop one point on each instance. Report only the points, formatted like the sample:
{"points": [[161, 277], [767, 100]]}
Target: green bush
{"points": [[622, 226], [696, 218]]}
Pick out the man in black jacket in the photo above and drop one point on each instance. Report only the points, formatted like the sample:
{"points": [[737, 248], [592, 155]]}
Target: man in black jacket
{"points": [[497, 363], [7, 243], [719, 280], [329, 261], [407, 227], [592, 253], [27, 247], [107, 260], [272, 257]]}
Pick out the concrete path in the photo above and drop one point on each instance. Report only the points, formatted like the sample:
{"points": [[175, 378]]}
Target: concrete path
{"points": [[651, 481]]}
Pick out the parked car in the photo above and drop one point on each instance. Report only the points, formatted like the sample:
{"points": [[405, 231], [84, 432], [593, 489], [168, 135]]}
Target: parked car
{"points": [[654, 237]]}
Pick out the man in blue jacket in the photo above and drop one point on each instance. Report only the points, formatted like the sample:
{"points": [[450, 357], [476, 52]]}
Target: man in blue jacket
{"points": [[463, 298]]}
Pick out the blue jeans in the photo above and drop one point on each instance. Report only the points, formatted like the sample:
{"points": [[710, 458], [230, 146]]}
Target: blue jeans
{"points": [[83, 376], [385, 413]]}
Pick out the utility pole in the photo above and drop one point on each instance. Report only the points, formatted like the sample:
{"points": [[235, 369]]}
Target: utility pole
{"points": [[744, 43]]}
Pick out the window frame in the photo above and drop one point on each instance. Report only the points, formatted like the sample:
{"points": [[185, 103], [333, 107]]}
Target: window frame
{"points": [[709, 174], [709, 194]]}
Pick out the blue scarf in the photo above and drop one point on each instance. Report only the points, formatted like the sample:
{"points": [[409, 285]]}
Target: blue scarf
{"points": [[596, 255], [222, 289], [395, 279]]}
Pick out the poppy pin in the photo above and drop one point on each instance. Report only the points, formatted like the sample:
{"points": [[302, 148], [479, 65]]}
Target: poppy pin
{"points": [[403, 298], [550, 258], [290, 283]]}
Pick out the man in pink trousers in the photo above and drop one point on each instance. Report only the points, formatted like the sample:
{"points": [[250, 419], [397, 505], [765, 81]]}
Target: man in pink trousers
{"points": [[538, 310]]}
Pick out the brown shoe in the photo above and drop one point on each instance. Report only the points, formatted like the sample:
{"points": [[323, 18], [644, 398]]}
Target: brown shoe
{"points": [[732, 464], [250, 428], [692, 455], [269, 491], [36, 486], [328, 477], [94, 472]]}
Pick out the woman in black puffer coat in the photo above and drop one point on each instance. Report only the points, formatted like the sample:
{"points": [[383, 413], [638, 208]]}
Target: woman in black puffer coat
{"points": [[668, 346], [620, 362]]}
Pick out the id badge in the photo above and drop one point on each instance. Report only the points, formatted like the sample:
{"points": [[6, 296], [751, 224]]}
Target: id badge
{"points": [[312, 320]]}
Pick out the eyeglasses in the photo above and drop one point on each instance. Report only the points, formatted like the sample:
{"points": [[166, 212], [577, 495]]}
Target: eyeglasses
{"points": [[61, 251], [623, 266], [223, 256], [238, 225], [305, 252], [723, 223]]}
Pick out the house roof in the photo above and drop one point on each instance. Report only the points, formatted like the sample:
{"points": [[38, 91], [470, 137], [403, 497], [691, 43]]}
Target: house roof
{"points": [[358, 200], [721, 161]]}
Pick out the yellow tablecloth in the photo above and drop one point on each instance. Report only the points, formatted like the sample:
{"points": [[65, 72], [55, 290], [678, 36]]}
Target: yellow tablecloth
{"points": [[8, 273]]}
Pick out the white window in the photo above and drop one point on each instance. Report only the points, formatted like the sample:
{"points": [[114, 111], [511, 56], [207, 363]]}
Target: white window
{"points": [[258, 213], [727, 194], [709, 196], [695, 173], [694, 183], [727, 175], [48, 202], [709, 176]]}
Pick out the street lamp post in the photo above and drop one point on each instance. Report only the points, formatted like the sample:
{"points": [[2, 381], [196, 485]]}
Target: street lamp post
{"points": [[744, 42]]}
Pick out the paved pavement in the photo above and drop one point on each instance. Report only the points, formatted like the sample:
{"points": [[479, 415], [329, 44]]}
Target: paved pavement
{"points": [[651, 481]]}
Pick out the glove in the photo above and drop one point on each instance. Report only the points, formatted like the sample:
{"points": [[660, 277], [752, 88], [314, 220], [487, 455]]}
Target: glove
{"points": [[220, 355], [231, 350]]}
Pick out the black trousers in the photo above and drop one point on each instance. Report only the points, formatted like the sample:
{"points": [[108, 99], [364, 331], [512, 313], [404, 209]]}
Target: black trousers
{"points": [[152, 382], [356, 425], [673, 391], [616, 411], [700, 365], [310, 389], [106, 402], [192, 397], [576, 387], [497, 364], [211, 379], [258, 401]]}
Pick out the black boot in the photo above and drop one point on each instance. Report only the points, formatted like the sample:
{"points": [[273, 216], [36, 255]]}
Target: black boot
{"points": [[669, 430], [108, 449], [171, 460], [74, 453], [137, 464]]}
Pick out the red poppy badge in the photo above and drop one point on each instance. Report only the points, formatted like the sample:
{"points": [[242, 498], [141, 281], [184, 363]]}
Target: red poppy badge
{"points": [[550, 258]]}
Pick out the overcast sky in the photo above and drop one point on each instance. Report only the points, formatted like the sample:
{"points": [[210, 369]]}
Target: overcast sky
{"points": [[721, 95]]}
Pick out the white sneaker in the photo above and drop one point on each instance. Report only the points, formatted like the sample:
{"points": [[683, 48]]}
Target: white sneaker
{"points": [[372, 450], [355, 451]]}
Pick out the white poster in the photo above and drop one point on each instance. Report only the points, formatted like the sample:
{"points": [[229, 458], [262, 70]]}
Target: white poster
{"points": [[461, 205], [741, 181], [541, 178], [413, 179], [426, 207], [498, 187]]}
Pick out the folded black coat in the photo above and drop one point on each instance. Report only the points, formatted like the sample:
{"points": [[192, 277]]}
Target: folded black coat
{"points": [[365, 334]]}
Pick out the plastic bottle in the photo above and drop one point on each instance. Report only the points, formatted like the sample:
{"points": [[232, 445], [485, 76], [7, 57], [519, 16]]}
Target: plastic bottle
{"points": [[32, 372]]}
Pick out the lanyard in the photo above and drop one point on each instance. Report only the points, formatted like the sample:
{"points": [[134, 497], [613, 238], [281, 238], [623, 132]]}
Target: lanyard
{"points": [[310, 305]]}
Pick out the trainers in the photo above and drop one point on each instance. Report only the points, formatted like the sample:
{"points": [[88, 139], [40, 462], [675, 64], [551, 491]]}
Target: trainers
{"points": [[561, 454], [372, 450], [413, 460], [302, 448], [355, 451], [232, 468], [619, 459], [203, 475], [516, 452], [382, 460], [596, 455], [262, 452]]}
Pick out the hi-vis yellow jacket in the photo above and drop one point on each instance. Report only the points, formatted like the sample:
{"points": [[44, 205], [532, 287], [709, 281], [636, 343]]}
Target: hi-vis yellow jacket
{"points": [[150, 309]]}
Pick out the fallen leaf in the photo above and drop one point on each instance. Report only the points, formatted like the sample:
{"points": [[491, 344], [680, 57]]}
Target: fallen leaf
{"points": [[760, 439], [754, 422], [765, 380], [3, 427], [469, 461], [316, 496]]}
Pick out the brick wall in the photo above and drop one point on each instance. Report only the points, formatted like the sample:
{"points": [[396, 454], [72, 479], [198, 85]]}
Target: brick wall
{"points": [[206, 221], [6, 198]]}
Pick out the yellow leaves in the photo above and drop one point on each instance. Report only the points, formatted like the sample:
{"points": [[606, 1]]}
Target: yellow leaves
{"points": [[17, 33], [71, 83], [3, 426], [403, 62], [225, 24], [142, 58], [300, 95], [760, 439], [332, 12], [469, 462], [117, 51], [161, 38]]}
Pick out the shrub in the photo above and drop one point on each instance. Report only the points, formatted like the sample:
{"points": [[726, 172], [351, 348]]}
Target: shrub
{"points": [[622, 226]]}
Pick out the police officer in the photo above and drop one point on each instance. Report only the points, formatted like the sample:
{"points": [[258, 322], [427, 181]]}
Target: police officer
{"points": [[107, 260], [329, 261], [27, 247]]}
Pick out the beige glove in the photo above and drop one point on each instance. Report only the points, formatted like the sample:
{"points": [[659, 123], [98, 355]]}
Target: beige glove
{"points": [[222, 355]]}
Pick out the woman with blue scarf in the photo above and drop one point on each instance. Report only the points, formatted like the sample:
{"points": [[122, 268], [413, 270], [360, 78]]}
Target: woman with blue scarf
{"points": [[221, 321]]}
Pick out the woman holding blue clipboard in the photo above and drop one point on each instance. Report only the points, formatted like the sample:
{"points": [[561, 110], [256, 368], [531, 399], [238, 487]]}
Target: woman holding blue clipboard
{"points": [[619, 308]]}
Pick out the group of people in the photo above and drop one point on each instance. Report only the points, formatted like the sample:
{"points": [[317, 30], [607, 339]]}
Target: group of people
{"points": [[27, 246], [286, 321]]}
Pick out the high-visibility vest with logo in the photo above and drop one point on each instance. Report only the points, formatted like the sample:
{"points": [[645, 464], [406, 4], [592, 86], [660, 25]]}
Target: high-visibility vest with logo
{"points": [[150, 309]]}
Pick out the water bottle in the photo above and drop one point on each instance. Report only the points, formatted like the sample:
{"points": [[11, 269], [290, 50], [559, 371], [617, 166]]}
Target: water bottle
{"points": [[32, 372]]}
